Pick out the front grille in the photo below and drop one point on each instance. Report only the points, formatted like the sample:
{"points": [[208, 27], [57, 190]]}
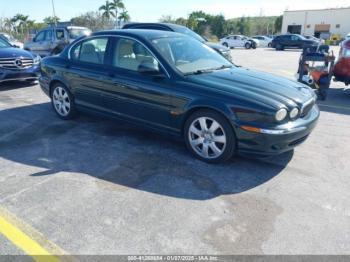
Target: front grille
{"points": [[16, 63], [307, 108]]}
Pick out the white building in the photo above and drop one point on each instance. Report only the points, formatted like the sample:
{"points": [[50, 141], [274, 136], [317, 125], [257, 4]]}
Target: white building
{"points": [[317, 23]]}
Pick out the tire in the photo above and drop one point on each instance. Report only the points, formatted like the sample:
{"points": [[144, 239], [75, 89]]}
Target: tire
{"points": [[279, 47], [269, 45], [208, 144], [254, 45], [225, 44], [63, 102], [248, 45]]}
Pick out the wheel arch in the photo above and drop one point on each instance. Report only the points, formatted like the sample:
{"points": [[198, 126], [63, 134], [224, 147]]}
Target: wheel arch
{"points": [[55, 81], [222, 110]]}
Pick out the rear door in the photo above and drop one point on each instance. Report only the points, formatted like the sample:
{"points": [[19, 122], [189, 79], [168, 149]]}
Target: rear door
{"points": [[88, 72]]}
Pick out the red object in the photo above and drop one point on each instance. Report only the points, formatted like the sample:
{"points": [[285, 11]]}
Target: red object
{"points": [[342, 67]]}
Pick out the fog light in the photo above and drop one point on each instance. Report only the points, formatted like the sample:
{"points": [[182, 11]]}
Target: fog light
{"points": [[281, 114]]}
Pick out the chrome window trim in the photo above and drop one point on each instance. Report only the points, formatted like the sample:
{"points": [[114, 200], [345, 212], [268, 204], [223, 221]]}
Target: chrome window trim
{"points": [[117, 36]]}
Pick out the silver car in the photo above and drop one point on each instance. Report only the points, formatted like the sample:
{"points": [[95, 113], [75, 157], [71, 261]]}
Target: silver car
{"points": [[53, 40]]}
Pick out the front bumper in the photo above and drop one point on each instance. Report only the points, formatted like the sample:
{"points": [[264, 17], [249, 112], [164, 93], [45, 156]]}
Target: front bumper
{"points": [[30, 74], [280, 140]]}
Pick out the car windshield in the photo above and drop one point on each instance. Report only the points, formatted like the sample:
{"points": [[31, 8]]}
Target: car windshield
{"points": [[189, 55], [9, 37], [75, 33], [4, 44], [301, 37], [186, 31]]}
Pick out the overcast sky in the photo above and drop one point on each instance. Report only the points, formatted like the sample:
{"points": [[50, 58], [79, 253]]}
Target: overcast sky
{"points": [[152, 10]]}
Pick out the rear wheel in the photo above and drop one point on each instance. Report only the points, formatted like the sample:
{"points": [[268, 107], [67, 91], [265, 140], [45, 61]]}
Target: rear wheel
{"points": [[63, 101], [269, 45], [209, 137]]}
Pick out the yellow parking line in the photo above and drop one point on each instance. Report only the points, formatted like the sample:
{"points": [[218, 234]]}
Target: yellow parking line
{"points": [[28, 239]]}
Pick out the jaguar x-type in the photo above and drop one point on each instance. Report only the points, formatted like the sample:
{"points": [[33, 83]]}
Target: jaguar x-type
{"points": [[178, 85]]}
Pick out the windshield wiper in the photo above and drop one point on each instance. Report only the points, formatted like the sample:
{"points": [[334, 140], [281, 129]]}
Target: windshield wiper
{"points": [[199, 72], [209, 70]]}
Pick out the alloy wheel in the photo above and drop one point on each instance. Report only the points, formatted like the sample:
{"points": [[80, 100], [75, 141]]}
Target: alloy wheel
{"points": [[61, 101], [207, 138]]}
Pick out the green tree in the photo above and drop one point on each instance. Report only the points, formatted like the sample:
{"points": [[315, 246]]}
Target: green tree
{"points": [[124, 16], [278, 24], [181, 21], [51, 20], [167, 19], [93, 20], [116, 6], [107, 10]]}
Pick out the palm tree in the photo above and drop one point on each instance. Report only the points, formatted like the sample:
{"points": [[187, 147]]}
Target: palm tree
{"points": [[8, 24], [124, 16], [116, 5], [107, 10]]}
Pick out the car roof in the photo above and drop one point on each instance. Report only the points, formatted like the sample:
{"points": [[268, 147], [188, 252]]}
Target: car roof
{"points": [[140, 33], [169, 25]]}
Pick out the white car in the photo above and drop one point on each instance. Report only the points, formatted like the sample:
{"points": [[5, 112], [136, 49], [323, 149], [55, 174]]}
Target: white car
{"points": [[12, 40], [264, 41], [233, 41]]}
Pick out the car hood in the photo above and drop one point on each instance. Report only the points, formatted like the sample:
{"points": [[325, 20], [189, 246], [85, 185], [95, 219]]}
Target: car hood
{"points": [[14, 52], [218, 47], [257, 87]]}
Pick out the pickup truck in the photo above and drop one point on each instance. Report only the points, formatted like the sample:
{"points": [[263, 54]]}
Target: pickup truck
{"points": [[52, 40]]}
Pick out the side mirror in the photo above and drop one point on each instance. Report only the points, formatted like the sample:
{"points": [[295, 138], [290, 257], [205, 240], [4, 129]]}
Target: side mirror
{"points": [[148, 68]]}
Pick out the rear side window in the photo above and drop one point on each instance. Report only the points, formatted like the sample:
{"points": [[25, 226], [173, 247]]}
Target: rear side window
{"points": [[90, 51], [59, 34]]}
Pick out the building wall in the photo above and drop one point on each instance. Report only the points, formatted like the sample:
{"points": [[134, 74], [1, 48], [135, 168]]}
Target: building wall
{"points": [[304, 18]]}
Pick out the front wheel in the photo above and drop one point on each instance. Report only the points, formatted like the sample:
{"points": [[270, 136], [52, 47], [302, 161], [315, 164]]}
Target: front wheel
{"points": [[63, 102], [248, 45], [225, 44], [210, 137]]}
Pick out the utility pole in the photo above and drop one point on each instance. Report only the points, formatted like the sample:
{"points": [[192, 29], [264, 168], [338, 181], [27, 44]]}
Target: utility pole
{"points": [[54, 12]]}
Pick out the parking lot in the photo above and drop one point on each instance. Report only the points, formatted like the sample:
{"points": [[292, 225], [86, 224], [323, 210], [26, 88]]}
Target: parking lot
{"points": [[95, 186]]}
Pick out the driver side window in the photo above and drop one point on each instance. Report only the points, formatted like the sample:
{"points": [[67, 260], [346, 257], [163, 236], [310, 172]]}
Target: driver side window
{"points": [[40, 37], [130, 54]]}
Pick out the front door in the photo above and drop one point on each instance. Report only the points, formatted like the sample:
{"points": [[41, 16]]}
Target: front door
{"points": [[141, 97]]}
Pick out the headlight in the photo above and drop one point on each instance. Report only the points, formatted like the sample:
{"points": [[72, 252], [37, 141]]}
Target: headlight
{"points": [[37, 60], [281, 114], [294, 113]]}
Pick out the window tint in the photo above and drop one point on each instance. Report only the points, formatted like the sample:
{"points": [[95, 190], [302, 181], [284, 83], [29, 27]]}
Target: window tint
{"points": [[59, 34], [129, 54], [48, 35], [90, 51], [294, 38], [40, 36]]}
